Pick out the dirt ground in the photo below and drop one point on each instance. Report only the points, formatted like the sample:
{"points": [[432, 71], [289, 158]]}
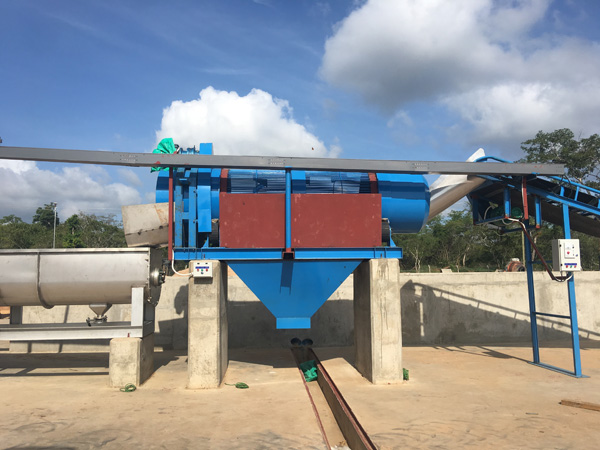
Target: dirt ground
{"points": [[483, 397]]}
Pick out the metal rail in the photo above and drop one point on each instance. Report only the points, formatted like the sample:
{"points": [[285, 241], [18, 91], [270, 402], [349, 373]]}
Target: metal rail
{"points": [[275, 162], [355, 435]]}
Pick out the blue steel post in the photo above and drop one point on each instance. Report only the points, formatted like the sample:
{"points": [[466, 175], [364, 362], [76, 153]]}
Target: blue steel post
{"points": [[572, 302], [538, 211], [288, 209], [507, 209], [532, 308], [178, 209], [192, 211]]}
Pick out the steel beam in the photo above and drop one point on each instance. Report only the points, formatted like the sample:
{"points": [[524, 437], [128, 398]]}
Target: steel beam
{"points": [[257, 254], [275, 162], [73, 331]]}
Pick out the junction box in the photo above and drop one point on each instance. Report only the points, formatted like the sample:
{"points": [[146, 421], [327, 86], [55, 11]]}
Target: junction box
{"points": [[565, 255]]}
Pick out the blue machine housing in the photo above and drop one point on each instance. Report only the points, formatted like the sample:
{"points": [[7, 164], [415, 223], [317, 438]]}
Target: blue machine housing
{"points": [[292, 288], [404, 197]]}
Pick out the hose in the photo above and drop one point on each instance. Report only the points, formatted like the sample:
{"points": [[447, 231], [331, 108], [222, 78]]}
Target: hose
{"points": [[128, 388], [239, 385], [560, 279]]}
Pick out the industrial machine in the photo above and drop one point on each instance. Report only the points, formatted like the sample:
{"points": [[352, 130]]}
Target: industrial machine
{"points": [[294, 229], [292, 236], [99, 278]]}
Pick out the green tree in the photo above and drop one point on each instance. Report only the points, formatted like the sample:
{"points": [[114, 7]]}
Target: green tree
{"points": [[45, 216], [581, 157], [16, 234], [11, 219], [101, 231], [419, 248], [83, 230], [72, 233]]}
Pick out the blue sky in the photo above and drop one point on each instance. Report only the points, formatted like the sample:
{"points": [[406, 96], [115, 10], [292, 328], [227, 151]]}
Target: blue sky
{"points": [[403, 79]]}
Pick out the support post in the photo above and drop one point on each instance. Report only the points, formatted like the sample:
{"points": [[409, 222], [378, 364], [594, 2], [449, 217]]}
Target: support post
{"points": [[131, 359], [377, 321], [16, 315], [288, 210], [532, 308], [572, 302], [207, 329]]}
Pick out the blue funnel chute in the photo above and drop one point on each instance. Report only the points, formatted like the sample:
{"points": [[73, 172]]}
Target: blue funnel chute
{"points": [[293, 290]]}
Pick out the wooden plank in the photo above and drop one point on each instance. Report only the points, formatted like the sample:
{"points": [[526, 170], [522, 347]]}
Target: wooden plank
{"points": [[582, 405]]}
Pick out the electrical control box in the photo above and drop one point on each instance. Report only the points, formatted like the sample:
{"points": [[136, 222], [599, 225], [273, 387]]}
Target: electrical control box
{"points": [[565, 255], [202, 269]]}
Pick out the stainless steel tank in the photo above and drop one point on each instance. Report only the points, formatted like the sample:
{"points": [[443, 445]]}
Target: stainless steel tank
{"points": [[78, 276]]}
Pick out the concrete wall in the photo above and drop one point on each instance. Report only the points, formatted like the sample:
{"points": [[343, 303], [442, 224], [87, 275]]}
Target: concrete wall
{"points": [[479, 308], [455, 308]]}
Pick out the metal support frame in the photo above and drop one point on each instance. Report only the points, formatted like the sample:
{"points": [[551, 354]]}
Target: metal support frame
{"points": [[566, 203], [572, 317], [141, 325], [244, 254]]}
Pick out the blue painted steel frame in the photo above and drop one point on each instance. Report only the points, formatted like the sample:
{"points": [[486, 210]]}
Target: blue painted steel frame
{"points": [[533, 313], [244, 254], [288, 209]]}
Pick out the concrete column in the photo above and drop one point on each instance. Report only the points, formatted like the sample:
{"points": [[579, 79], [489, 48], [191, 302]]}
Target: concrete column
{"points": [[207, 329], [377, 321], [131, 360]]}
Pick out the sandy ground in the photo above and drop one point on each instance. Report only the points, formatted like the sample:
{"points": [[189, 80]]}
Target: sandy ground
{"points": [[478, 397]]}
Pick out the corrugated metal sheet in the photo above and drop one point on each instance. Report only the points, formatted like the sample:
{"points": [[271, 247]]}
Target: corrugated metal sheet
{"points": [[273, 182]]}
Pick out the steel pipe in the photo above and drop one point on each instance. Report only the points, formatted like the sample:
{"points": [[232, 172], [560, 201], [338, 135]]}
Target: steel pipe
{"points": [[78, 276]]}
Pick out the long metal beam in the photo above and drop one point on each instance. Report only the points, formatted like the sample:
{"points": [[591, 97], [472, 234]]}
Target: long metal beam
{"points": [[275, 162]]}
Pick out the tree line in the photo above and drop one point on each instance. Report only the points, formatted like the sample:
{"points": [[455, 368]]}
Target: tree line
{"points": [[453, 242], [78, 231]]}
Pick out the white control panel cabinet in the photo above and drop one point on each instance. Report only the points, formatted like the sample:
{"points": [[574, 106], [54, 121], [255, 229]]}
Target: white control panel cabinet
{"points": [[202, 269], [565, 255]]}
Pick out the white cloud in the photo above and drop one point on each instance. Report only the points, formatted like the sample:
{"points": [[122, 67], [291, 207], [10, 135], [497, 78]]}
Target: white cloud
{"points": [[255, 124], [479, 58], [502, 112], [130, 177], [25, 187]]}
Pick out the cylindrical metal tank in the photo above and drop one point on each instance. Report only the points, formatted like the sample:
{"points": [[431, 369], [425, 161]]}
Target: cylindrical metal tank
{"points": [[404, 197], [78, 276], [404, 201]]}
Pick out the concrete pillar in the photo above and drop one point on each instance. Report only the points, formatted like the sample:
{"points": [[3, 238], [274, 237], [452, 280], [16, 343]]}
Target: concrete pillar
{"points": [[377, 321], [207, 329], [131, 360]]}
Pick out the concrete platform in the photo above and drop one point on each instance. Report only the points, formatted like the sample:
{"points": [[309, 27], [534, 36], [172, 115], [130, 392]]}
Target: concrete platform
{"points": [[484, 397]]}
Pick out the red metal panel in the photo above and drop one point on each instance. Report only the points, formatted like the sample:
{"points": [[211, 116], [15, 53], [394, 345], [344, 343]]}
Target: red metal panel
{"points": [[252, 220], [336, 220]]}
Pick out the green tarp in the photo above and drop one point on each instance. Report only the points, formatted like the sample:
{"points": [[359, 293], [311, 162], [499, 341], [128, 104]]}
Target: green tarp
{"points": [[309, 368], [164, 146]]}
